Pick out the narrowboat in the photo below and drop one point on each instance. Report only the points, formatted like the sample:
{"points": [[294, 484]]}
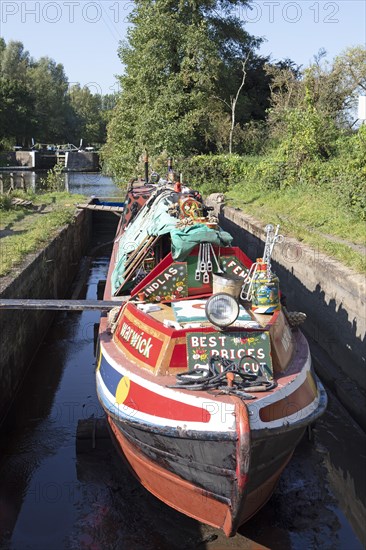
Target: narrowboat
{"points": [[204, 376]]}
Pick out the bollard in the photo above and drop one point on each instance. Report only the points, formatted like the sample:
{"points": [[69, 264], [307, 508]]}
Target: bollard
{"points": [[22, 182]]}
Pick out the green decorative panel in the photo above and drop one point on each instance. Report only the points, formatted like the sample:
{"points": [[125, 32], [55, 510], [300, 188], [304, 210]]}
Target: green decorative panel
{"points": [[171, 284], [253, 348], [233, 266]]}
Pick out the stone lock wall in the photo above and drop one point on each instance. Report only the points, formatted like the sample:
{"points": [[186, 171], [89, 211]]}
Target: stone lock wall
{"points": [[46, 274]]}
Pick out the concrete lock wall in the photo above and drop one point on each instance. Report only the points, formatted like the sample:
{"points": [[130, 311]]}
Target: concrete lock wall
{"points": [[82, 161], [46, 274], [25, 158], [42, 160], [332, 297]]}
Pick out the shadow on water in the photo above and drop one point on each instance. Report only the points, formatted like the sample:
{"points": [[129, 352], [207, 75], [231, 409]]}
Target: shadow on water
{"points": [[49, 496], [38, 440], [320, 499]]}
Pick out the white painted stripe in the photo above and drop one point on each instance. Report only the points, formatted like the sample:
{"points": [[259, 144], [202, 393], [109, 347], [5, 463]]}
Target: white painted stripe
{"points": [[286, 391], [176, 394], [222, 418], [283, 391]]}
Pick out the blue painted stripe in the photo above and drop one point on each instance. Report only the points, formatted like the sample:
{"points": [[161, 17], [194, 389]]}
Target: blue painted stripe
{"points": [[270, 309], [108, 203], [110, 376]]}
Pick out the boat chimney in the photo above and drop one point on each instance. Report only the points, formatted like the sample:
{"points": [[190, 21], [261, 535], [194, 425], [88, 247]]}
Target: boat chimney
{"points": [[170, 164], [170, 169], [146, 167]]}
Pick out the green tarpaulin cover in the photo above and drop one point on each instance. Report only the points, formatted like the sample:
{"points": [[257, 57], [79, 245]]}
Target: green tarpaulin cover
{"points": [[185, 239], [154, 220]]}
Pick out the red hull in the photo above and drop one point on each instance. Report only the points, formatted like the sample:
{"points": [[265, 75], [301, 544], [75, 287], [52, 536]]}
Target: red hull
{"points": [[189, 499]]}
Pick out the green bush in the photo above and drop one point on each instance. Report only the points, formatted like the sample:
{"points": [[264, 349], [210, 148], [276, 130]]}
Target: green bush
{"points": [[5, 202], [342, 170], [54, 180], [218, 173]]}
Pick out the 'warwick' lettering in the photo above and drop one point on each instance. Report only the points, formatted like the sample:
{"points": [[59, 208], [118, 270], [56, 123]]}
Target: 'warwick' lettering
{"points": [[136, 340]]}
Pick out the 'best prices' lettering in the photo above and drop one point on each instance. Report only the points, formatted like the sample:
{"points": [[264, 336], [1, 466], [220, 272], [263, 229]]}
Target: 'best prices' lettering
{"points": [[214, 342], [251, 349]]}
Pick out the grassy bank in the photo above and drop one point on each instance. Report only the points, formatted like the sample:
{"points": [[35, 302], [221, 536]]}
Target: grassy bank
{"points": [[321, 203], [25, 230], [312, 216]]}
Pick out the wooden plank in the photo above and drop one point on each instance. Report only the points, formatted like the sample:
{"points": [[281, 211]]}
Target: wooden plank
{"points": [[101, 208], [59, 305], [20, 202], [137, 261]]}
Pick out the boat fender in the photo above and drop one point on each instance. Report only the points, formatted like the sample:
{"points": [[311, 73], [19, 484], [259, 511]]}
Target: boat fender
{"points": [[113, 315], [294, 318]]}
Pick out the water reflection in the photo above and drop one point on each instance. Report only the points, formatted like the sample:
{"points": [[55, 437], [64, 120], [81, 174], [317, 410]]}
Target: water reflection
{"points": [[18, 180], [343, 445], [84, 183]]}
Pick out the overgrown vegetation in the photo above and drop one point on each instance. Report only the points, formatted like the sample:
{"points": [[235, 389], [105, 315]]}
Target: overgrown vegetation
{"points": [[26, 230], [54, 181], [343, 175]]}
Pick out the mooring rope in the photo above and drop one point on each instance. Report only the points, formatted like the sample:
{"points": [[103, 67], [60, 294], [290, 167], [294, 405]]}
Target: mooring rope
{"points": [[212, 378]]}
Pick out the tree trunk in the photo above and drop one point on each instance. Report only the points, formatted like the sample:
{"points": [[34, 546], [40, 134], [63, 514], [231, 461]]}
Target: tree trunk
{"points": [[234, 101]]}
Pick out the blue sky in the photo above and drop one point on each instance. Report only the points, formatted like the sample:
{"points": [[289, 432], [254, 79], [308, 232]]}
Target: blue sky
{"points": [[84, 35]]}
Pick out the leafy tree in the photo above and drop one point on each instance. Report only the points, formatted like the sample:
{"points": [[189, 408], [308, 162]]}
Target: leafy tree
{"points": [[109, 102], [177, 59], [349, 80], [14, 61], [49, 86], [34, 102], [33, 96], [236, 46], [16, 100], [86, 108], [2, 48], [90, 114], [16, 112], [331, 88]]}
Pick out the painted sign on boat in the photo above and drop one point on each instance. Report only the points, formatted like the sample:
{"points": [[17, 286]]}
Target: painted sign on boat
{"points": [[140, 344], [169, 285], [251, 349]]}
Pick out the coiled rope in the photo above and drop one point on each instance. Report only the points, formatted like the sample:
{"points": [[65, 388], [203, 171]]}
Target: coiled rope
{"points": [[213, 378]]}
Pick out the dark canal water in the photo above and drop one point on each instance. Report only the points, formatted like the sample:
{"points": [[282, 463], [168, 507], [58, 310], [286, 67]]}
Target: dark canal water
{"points": [[55, 494]]}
